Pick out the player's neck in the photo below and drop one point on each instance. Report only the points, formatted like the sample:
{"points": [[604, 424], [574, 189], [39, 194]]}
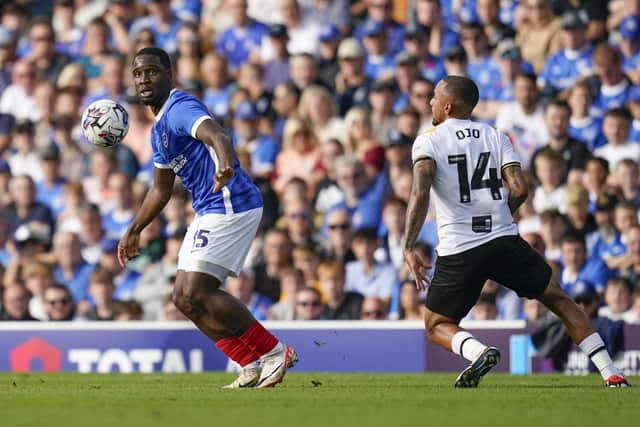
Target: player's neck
{"points": [[155, 109]]}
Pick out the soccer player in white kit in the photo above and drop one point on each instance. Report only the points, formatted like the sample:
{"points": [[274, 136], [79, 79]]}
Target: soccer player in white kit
{"points": [[187, 142], [461, 165]]}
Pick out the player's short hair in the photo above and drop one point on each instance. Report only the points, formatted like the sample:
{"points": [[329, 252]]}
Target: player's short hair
{"points": [[156, 51], [606, 56], [555, 102], [463, 91], [619, 113]]}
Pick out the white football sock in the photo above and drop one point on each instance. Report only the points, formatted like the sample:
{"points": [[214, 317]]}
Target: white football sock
{"points": [[466, 345], [277, 349], [594, 348]]}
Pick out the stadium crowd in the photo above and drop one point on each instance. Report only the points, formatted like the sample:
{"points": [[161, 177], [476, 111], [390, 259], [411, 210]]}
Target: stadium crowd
{"points": [[323, 99]]}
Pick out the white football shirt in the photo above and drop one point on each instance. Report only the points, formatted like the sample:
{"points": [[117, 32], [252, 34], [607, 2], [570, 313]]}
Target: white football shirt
{"points": [[467, 192]]}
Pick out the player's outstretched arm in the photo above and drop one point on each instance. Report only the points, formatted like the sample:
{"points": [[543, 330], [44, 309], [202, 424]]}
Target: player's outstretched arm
{"points": [[517, 184], [156, 199], [423, 172], [210, 133]]}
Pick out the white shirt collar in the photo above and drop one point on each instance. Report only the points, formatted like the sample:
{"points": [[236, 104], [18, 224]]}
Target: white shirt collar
{"points": [[164, 106]]}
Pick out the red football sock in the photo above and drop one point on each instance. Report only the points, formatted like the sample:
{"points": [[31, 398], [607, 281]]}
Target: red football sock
{"points": [[258, 339], [237, 351]]}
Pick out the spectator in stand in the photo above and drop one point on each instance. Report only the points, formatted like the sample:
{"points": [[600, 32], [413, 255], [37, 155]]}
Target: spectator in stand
{"points": [[631, 271], [303, 32], [303, 70], [629, 31], [429, 14], [485, 308], [90, 231], [338, 242], [615, 128], [250, 77], [523, 119], [7, 56], [71, 269], [632, 316], [552, 228], [455, 61], [339, 305], [214, 69], [15, 303], [111, 84], [243, 288], [365, 275], [614, 85], [617, 297], [614, 253], [411, 308], [351, 83], [318, 108], [361, 198], [116, 221], [124, 278], [24, 208], [380, 11], [25, 161], [416, 43], [47, 61], [157, 279], [539, 36], [626, 177], [595, 177], [380, 62], [94, 51], [276, 69], [298, 217], [101, 289], [262, 148], [276, 257], [59, 303], [49, 190], [18, 98], [381, 101], [374, 308], [73, 156], [420, 95], [550, 194], [573, 153], [329, 12], [307, 261], [564, 68], [162, 22], [634, 108], [406, 73], [358, 138], [308, 304], [120, 15], [300, 148], [241, 42], [126, 311], [37, 276], [606, 238], [393, 220], [481, 66], [292, 281], [577, 267], [170, 312], [583, 125], [330, 38], [580, 220], [488, 12]]}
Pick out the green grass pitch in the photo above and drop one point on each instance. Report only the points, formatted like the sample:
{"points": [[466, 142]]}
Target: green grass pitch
{"points": [[308, 400]]}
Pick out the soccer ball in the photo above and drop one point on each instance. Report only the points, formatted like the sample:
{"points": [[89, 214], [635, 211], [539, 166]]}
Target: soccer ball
{"points": [[105, 123]]}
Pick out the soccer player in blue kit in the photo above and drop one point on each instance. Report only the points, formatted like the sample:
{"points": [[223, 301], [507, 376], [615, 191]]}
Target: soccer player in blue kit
{"points": [[187, 142]]}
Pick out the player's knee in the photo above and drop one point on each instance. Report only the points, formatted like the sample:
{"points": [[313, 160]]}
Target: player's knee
{"points": [[188, 296]]}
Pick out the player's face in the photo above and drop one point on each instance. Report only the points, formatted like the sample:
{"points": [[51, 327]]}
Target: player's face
{"points": [[151, 80], [440, 105]]}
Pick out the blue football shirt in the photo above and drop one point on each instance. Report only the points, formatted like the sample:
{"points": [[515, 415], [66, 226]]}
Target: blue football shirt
{"points": [[175, 147]]}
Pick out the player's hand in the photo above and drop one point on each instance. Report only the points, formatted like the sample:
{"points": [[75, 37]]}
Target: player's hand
{"points": [[418, 267], [222, 177], [128, 247]]}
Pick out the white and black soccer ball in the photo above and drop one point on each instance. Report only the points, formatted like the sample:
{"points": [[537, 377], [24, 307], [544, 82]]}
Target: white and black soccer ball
{"points": [[105, 123]]}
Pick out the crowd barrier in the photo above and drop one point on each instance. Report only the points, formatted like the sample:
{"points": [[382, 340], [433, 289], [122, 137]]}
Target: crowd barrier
{"points": [[323, 346]]}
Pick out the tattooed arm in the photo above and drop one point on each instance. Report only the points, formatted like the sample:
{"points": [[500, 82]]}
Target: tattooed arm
{"points": [[423, 172], [517, 184]]}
